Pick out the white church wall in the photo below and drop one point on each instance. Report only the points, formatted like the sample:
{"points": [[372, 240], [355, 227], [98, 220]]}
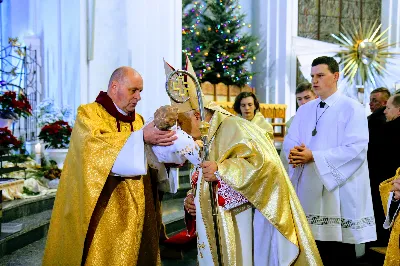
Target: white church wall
{"points": [[110, 49], [391, 17], [53, 28], [134, 33], [155, 33], [275, 23], [138, 34]]}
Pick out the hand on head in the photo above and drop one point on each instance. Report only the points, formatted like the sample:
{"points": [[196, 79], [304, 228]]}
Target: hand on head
{"points": [[154, 136], [300, 155]]}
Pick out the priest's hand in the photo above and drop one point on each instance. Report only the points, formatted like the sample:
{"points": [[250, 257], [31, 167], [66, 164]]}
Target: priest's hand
{"points": [[209, 168], [300, 155], [188, 203], [154, 136], [396, 188]]}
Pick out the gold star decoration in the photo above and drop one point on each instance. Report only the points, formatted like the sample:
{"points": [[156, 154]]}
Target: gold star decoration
{"points": [[366, 53], [13, 41]]}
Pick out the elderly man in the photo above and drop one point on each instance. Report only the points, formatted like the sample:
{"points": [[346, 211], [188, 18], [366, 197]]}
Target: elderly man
{"points": [[105, 212], [383, 160], [245, 164], [327, 145], [377, 104]]}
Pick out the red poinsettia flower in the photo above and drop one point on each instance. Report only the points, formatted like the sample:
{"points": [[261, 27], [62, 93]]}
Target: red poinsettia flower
{"points": [[13, 106], [56, 135], [8, 141]]}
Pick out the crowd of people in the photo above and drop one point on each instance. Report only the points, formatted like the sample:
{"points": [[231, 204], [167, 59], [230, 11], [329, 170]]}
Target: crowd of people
{"points": [[334, 184]]}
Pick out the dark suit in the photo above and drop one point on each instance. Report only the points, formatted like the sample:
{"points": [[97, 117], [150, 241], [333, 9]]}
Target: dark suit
{"points": [[383, 161]]}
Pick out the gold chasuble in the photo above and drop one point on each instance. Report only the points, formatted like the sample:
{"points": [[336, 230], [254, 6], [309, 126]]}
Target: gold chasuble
{"points": [[260, 121], [261, 179], [100, 219], [392, 257]]}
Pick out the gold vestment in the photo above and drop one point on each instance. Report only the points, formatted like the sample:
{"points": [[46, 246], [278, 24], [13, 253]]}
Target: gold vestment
{"points": [[249, 163], [392, 257], [98, 219], [260, 121]]}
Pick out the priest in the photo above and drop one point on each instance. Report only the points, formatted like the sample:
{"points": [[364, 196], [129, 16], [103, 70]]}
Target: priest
{"points": [[106, 210], [246, 166]]}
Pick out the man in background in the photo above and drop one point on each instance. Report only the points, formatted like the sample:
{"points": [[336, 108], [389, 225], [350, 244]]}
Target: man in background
{"points": [[376, 159]]}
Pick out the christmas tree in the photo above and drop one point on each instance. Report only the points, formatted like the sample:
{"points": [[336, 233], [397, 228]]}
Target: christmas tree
{"points": [[215, 43]]}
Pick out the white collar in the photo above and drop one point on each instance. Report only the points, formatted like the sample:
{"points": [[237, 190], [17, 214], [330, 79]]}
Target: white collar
{"points": [[332, 99], [120, 110]]}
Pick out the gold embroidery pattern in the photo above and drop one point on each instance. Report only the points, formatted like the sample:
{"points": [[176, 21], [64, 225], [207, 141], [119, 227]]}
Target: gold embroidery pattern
{"points": [[200, 247]]}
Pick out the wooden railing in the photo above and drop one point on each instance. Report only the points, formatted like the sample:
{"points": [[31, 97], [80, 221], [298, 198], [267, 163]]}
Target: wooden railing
{"points": [[272, 111], [225, 95]]}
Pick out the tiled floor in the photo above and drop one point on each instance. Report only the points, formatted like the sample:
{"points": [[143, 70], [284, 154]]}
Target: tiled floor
{"points": [[32, 254], [172, 210]]}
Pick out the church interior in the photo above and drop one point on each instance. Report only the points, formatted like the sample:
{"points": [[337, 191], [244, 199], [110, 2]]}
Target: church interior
{"points": [[57, 55]]}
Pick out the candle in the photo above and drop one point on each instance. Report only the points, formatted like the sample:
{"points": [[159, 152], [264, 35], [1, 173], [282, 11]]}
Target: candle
{"points": [[38, 148]]}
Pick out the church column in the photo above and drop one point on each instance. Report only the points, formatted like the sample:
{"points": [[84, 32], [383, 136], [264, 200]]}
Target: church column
{"points": [[155, 32], [109, 36], [275, 22], [391, 17], [134, 33]]}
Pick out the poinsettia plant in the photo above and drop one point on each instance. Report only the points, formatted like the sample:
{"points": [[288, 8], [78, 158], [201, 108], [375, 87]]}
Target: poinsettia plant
{"points": [[8, 141], [56, 135], [13, 106]]}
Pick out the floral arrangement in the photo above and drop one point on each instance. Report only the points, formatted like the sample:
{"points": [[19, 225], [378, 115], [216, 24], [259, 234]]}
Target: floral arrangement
{"points": [[47, 112], [56, 135], [8, 141], [13, 106], [48, 170]]}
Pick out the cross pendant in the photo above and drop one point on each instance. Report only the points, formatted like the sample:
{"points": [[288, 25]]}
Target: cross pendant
{"points": [[314, 132]]}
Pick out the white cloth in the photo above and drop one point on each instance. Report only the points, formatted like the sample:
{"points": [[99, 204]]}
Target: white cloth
{"points": [[184, 148], [334, 190], [390, 219], [131, 160]]}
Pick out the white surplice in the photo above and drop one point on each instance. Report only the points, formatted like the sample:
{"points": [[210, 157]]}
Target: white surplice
{"points": [[334, 190]]}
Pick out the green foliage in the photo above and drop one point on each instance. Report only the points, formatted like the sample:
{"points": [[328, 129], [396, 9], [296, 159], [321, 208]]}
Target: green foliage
{"points": [[28, 192], [48, 170], [213, 38]]}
